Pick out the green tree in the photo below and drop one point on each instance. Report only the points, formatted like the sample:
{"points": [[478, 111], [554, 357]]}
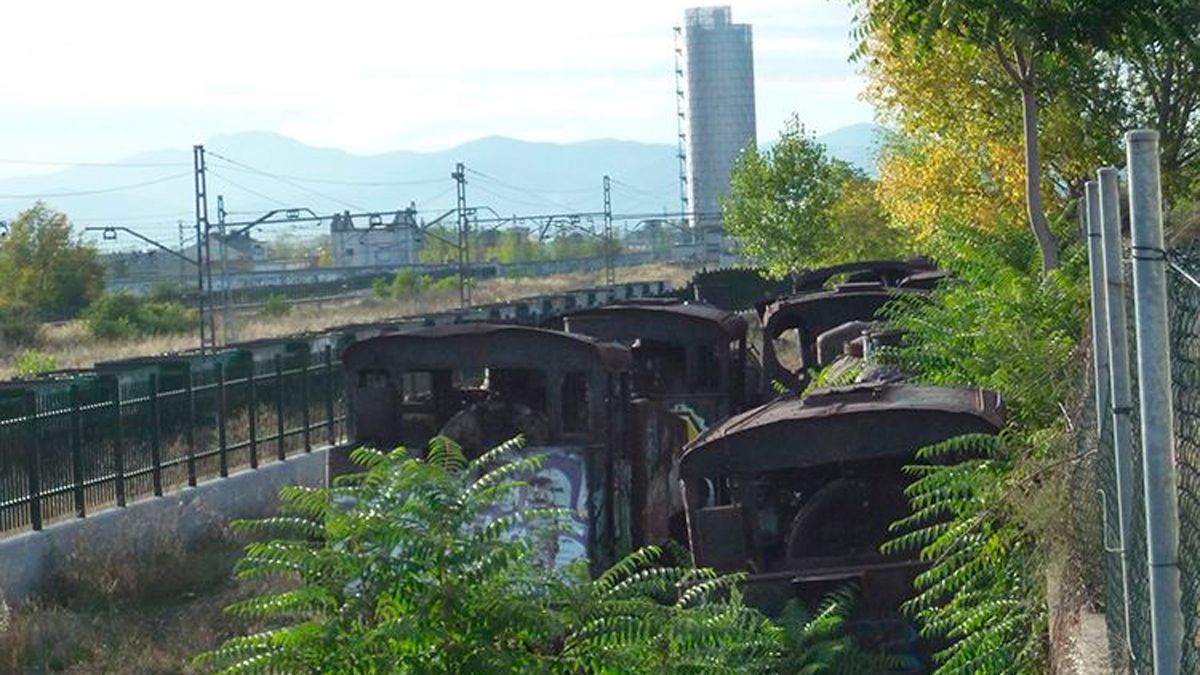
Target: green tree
{"points": [[1024, 37], [792, 207], [44, 265]]}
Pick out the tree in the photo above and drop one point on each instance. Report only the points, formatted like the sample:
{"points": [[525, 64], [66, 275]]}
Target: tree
{"points": [[1164, 56], [45, 266], [792, 207], [1023, 37], [440, 565]]}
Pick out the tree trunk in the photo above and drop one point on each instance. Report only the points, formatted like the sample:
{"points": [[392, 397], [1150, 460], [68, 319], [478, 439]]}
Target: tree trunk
{"points": [[1033, 180]]}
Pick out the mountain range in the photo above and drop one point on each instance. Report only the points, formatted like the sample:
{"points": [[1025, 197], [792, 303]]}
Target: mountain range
{"points": [[256, 172]]}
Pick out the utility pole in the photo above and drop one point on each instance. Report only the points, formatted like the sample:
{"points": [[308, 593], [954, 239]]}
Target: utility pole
{"points": [[182, 271], [208, 341], [227, 304], [460, 177], [610, 244]]}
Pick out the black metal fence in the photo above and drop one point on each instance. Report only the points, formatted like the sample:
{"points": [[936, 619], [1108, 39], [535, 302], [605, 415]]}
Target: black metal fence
{"points": [[77, 444]]}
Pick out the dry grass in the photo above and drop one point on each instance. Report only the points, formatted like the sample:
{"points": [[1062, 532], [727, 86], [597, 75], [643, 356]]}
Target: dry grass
{"points": [[136, 615], [73, 347]]}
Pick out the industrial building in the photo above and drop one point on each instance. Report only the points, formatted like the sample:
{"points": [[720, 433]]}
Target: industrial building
{"points": [[376, 243], [716, 89]]}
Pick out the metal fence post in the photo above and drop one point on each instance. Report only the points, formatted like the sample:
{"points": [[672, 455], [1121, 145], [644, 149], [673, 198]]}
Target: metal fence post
{"points": [[222, 451], [1157, 415], [329, 383], [32, 461], [77, 452], [155, 437], [252, 418], [280, 446], [118, 444], [1120, 394], [306, 374], [191, 428]]}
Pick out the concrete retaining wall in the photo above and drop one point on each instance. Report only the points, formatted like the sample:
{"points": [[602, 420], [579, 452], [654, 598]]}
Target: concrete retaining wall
{"points": [[179, 519]]}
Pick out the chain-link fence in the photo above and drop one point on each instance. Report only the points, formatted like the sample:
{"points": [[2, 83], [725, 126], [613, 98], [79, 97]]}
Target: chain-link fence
{"points": [[1131, 648]]}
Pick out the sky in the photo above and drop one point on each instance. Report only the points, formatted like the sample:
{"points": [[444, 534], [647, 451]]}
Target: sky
{"points": [[98, 81]]}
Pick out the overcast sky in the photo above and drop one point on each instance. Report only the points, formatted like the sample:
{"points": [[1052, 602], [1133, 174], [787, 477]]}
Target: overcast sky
{"points": [[95, 81]]}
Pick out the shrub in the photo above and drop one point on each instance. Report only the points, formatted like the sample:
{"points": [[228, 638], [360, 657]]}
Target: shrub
{"points": [[430, 566], [380, 288], [19, 325], [407, 284], [122, 315], [276, 305], [30, 363]]}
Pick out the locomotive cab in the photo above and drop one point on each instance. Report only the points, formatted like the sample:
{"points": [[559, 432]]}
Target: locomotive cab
{"points": [[481, 385]]}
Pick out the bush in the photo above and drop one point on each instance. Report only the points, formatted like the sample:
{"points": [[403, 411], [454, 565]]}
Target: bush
{"points": [[380, 287], [30, 363], [430, 566], [19, 325], [276, 305], [407, 284], [122, 315]]}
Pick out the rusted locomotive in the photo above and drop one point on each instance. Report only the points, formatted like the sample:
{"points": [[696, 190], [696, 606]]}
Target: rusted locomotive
{"points": [[482, 384], [689, 373], [641, 409], [819, 307]]}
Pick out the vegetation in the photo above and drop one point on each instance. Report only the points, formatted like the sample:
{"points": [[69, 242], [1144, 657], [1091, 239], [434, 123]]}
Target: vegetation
{"points": [[1032, 97], [276, 305], [47, 271], [792, 207], [31, 363], [122, 315], [440, 565], [514, 245]]}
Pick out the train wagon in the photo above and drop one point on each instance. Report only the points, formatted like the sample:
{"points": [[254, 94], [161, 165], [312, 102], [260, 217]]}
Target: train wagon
{"points": [[689, 374], [481, 384], [799, 492]]}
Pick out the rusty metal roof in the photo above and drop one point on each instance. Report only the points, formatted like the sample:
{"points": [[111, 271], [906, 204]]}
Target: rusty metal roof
{"points": [[890, 270], [668, 318], [477, 345], [819, 311], [859, 422]]}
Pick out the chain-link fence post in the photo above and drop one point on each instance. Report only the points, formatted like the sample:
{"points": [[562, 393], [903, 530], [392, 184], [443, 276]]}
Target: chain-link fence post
{"points": [[1156, 409]]}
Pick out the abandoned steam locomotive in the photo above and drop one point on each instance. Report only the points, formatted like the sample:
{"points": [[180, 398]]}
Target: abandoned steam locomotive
{"points": [[654, 421]]}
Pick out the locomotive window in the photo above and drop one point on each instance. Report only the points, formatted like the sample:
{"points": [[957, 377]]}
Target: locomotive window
{"points": [[575, 403], [418, 386], [373, 379], [709, 365]]}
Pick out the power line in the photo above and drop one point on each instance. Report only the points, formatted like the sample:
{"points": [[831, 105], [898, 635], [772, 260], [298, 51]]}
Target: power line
{"points": [[110, 165], [84, 193], [517, 188], [286, 181], [243, 188], [331, 181]]}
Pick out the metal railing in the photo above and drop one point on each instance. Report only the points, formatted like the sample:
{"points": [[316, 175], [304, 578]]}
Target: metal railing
{"points": [[116, 438]]}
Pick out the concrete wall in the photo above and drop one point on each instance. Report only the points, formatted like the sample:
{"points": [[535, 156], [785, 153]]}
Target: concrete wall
{"points": [[179, 519]]}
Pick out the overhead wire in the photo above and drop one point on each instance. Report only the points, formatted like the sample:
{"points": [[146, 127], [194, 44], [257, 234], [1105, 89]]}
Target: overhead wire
{"points": [[333, 181], [111, 165], [248, 190], [84, 193], [286, 181]]}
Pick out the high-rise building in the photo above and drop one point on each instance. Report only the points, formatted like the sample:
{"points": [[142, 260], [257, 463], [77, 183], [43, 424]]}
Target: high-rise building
{"points": [[718, 91]]}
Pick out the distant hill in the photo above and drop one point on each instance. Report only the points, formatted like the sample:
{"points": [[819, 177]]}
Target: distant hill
{"points": [[260, 171], [857, 144]]}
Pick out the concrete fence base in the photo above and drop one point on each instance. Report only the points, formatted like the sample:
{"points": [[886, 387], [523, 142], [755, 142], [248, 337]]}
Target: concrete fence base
{"points": [[145, 528]]}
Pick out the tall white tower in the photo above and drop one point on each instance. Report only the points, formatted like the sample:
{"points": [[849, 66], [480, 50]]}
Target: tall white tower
{"points": [[719, 93]]}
